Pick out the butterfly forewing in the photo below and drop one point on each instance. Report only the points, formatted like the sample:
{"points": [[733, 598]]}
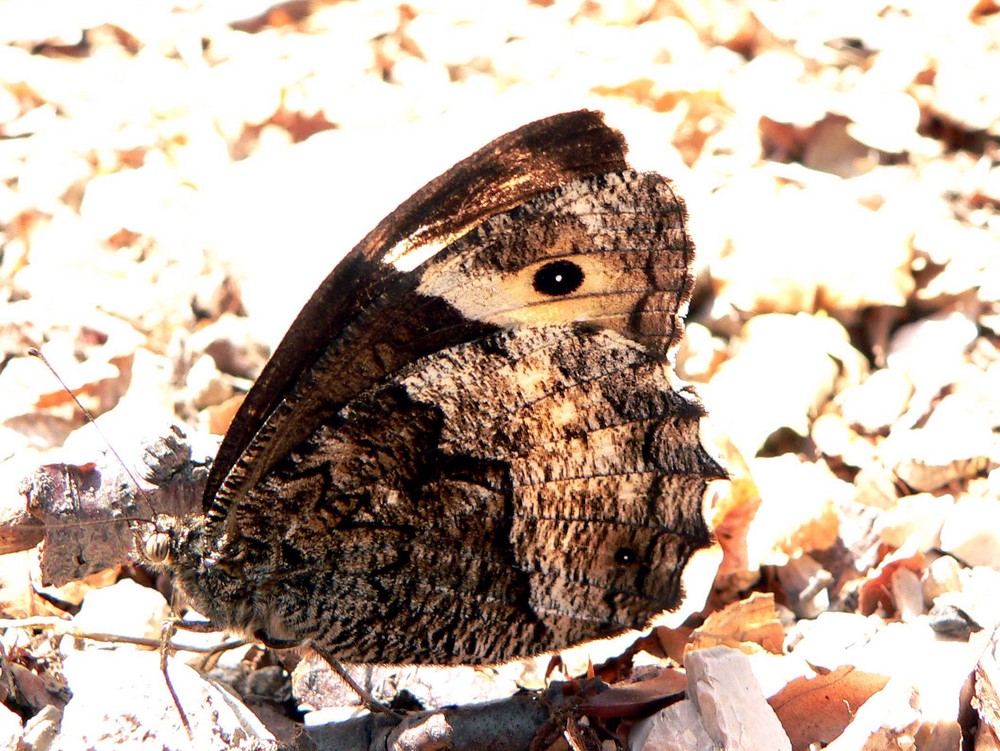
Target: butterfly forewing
{"points": [[342, 342]]}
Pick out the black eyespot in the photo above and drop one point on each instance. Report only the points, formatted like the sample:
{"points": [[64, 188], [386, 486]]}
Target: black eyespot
{"points": [[625, 556], [558, 278]]}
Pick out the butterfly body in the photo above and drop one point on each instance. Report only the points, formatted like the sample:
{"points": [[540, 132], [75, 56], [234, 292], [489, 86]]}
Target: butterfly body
{"points": [[476, 450]]}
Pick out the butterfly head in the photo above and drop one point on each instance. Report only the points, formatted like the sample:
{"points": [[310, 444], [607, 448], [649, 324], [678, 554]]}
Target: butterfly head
{"points": [[156, 547], [172, 543]]}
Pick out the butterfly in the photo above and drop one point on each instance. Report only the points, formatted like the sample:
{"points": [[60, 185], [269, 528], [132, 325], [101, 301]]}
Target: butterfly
{"points": [[470, 445]]}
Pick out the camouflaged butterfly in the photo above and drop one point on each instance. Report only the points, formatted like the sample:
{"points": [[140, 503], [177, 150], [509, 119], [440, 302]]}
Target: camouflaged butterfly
{"points": [[468, 446]]}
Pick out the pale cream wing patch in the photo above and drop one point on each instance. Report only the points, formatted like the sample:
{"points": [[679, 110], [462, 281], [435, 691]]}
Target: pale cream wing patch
{"points": [[611, 250]]}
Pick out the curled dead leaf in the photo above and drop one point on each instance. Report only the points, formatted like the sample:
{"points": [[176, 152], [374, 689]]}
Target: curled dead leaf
{"points": [[639, 699]]}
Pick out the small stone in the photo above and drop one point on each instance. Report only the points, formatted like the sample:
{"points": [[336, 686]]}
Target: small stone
{"points": [[789, 387], [121, 699], [207, 386], [927, 459], [971, 532], [885, 120], [826, 640], [11, 730], [971, 406], [875, 486], [874, 405], [834, 436], [731, 703], [675, 728], [952, 622], [126, 609], [807, 585], [41, 731], [942, 575], [907, 594], [915, 520], [147, 200], [930, 354], [231, 343], [977, 594]]}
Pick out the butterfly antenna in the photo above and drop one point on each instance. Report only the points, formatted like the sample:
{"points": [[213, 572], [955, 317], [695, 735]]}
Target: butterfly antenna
{"points": [[33, 352]]}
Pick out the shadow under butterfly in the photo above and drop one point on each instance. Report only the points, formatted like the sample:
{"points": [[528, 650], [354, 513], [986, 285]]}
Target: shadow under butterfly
{"points": [[470, 446]]}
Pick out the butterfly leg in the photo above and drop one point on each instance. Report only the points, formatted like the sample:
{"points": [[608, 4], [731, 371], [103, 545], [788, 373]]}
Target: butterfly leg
{"points": [[373, 705], [166, 633], [262, 636], [370, 702], [198, 627]]}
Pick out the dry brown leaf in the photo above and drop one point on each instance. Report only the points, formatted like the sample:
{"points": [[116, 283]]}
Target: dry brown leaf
{"points": [[732, 512], [734, 506], [18, 598], [877, 589], [749, 625], [220, 415], [983, 10], [986, 696], [818, 709], [670, 642]]}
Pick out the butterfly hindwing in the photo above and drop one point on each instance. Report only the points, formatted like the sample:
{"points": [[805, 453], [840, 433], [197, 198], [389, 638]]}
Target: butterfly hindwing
{"points": [[481, 487]]}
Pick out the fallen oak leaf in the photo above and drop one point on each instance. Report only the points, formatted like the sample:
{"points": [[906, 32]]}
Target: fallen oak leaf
{"points": [[733, 506], [818, 709], [733, 509], [661, 642], [750, 625]]}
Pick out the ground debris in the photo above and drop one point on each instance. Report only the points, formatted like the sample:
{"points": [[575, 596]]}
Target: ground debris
{"points": [[176, 180]]}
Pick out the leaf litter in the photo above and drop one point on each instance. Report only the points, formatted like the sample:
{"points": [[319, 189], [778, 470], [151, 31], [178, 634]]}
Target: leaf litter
{"points": [[166, 170]]}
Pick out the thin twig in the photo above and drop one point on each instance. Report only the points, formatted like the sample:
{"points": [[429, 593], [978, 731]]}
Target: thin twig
{"points": [[62, 628]]}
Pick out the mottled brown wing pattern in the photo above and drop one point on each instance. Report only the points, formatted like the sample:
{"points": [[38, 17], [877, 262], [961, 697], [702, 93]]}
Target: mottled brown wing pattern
{"points": [[483, 454], [479, 507]]}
